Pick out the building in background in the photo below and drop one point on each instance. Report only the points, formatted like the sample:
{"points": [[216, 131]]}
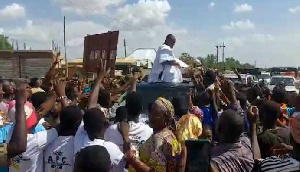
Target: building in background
{"points": [[25, 63]]}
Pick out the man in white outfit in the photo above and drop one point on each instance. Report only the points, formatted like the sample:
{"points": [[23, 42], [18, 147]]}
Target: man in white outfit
{"points": [[166, 68]]}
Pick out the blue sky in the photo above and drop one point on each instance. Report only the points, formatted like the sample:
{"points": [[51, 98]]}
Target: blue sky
{"points": [[253, 30]]}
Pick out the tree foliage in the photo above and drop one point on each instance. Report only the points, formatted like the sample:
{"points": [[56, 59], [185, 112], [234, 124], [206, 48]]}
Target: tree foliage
{"points": [[210, 61], [4, 44]]}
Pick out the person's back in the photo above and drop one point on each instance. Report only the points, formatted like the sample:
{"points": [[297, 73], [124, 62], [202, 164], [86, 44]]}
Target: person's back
{"points": [[233, 154], [59, 155], [138, 131], [92, 133]]}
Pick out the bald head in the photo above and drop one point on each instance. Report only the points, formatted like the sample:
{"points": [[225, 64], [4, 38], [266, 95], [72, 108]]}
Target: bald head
{"points": [[230, 126], [170, 40]]}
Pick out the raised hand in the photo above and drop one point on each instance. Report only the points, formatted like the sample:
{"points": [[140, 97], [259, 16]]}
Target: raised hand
{"points": [[60, 87], [102, 70], [253, 114], [23, 92]]}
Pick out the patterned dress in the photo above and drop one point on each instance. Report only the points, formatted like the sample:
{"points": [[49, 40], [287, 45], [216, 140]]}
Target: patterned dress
{"points": [[161, 152]]}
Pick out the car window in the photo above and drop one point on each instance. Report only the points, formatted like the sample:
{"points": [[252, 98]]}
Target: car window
{"points": [[285, 81]]}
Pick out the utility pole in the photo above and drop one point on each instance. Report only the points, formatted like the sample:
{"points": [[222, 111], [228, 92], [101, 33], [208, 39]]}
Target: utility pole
{"points": [[223, 55], [217, 55], [125, 48], [65, 48], [24, 46], [17, 44]]}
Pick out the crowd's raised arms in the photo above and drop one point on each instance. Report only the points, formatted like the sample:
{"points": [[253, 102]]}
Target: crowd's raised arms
{"points": [[61, 124]]}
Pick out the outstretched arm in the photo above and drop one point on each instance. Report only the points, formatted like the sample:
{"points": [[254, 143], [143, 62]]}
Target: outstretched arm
{"points": [[18, 142], [102, 72], [253, 118], [51, 73]]}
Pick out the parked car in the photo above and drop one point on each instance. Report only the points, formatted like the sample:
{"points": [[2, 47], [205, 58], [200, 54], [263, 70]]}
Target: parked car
{"points": [[264, 77], [246, 79], [288, 81]]}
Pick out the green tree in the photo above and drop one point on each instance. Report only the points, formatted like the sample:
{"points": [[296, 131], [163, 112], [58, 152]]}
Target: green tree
{"points": [[232, 63], [4, 44], [209, 61], [186, 58]]}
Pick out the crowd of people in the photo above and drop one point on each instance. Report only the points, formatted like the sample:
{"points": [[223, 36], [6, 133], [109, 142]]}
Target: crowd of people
{"points": [[64, 125]]}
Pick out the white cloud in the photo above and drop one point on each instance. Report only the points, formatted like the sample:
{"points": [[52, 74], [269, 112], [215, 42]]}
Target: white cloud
{"points": [[85, 7], [38, 35], [34, 32], [212, 4], [144, 14], [239, 41], [11, 12], [294, 10], [1, 30], [242, 25], [261, 38], [243, 8]]}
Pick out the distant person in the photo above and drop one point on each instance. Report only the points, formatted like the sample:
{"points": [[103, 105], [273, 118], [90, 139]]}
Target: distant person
{"points": [[166, 67], [35, 84]]}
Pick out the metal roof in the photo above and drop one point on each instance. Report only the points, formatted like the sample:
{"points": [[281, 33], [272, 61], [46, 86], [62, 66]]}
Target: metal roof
{"points": [[143, 54]]}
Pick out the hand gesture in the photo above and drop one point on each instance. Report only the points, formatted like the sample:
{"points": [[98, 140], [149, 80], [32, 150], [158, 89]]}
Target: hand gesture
{"points": [[115, 97], [22, 94], [57, 59], [130, 156], [253, 114], [60, 88], [101, 69], [84, 96]]}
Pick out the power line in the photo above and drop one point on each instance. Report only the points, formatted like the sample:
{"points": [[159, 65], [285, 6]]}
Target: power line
{"points": [[107, 16]]}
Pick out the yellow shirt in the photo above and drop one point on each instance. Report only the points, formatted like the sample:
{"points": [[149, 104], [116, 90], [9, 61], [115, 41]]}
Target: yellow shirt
{"points": [[188, 127], [37, 90]]}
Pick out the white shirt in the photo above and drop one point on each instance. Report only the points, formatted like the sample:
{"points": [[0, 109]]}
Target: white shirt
{"points": [[32, 159], [138, 134], [116, 156], [170, 73], [59, 155]]}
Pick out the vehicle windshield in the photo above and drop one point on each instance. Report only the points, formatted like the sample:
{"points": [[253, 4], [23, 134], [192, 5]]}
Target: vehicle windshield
{"points": [[286, 81], [263, 76]]}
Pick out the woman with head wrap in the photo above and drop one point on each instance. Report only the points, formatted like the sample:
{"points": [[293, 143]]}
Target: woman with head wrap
{"points": [[161, 152], [189, 125]]}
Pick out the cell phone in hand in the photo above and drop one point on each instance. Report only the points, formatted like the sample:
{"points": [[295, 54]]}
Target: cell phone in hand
{"points": [[198, 155], [254, 109]]}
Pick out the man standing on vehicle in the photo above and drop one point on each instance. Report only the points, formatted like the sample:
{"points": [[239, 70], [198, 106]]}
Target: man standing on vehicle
{"points": [[166, 67]]}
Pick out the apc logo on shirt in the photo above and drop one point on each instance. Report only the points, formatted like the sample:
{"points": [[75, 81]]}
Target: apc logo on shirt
{"points": [[57, 160]]}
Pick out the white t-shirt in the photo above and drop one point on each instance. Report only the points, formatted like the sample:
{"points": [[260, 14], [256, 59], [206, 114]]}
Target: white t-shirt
{"points": [[171, 73], [59, 155], [138, 134], [116, 156], [32, 159]]}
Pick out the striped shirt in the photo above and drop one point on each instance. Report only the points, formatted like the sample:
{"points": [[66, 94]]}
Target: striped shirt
{"points": [[235, 157], [275, 164]]}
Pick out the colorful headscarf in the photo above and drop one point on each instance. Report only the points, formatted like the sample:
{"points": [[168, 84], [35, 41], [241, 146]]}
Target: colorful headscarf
{"points": [[195, 110], [168, 107], [31, 118]]}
